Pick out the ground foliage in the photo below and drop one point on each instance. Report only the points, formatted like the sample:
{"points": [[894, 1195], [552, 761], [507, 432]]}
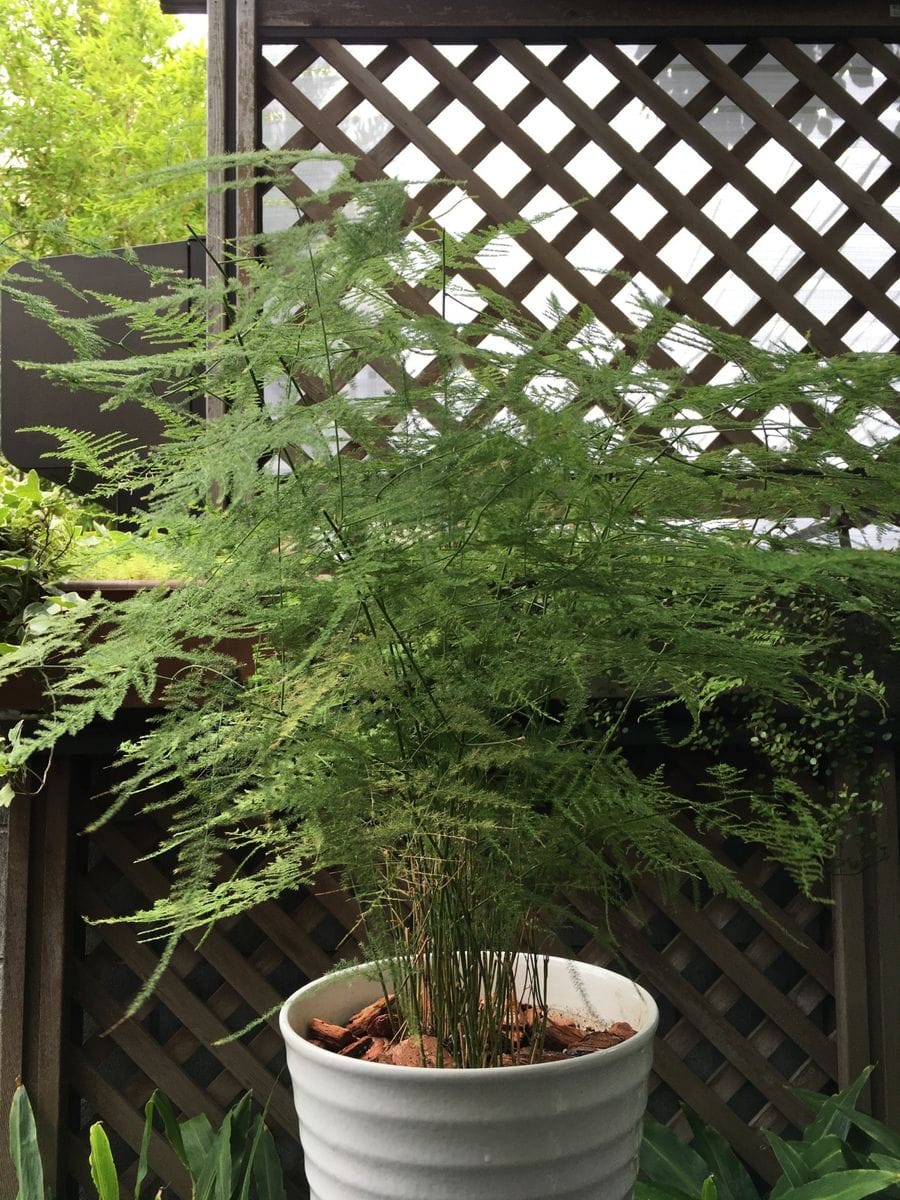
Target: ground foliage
{"points": [[842, 1154], [456, 627]]}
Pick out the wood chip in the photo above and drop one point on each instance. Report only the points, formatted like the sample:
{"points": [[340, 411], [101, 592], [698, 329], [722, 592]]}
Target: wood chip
{"points": [[332, 1037], [622, 1030], [561, 1035], [374, 1020], [376, 1050], [601, 1039], [357, 1048]]}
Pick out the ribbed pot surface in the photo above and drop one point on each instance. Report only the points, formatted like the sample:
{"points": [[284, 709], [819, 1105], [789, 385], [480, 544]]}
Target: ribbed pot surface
{"points": [[553, 1131]]}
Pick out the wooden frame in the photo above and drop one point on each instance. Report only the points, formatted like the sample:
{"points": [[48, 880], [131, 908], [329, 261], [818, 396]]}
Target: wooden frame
{"points": [[37, 911], [632, 19]]}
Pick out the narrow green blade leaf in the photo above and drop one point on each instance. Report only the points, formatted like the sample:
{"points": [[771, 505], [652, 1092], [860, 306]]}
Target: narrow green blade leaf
{"points": [[267, 1173], [835, 1114], [813, 1100], [655, 1191], [709, 1191], [162, 1107], [732, 1179], [242, 1122], [23, 1147], [790, 1160], [666, 1160], [103, 1168], [880, 1134], [223, 1165], [141, 1173], [198, 1139], [844, 1185], [823, 1157], [886, 1162]]}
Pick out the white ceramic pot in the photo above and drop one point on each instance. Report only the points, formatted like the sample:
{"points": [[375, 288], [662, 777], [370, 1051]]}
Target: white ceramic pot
{"points": [[569, 1129]]}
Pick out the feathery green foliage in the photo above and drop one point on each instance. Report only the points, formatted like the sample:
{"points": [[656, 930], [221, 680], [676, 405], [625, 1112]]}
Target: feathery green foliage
{"points": [[517, 560]]}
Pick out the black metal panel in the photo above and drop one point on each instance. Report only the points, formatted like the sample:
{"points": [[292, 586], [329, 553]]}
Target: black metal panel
{"points": [[28, 399]]}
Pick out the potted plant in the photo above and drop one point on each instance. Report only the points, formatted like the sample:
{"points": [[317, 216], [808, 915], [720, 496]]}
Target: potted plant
{"points": [[473, 549]]}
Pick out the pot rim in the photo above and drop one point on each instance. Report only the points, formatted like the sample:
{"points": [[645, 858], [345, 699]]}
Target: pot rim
{"points": [[357, 1066]]}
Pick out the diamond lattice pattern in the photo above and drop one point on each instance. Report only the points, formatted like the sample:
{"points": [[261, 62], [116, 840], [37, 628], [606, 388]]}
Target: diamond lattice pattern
{"points": [[755, 185]]}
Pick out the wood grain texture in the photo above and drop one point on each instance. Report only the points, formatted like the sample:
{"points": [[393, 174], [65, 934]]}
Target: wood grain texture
{"points": [[852, 965], [246, 120], [12, 1005], [630, 17], [882, 907], [219, 83]]}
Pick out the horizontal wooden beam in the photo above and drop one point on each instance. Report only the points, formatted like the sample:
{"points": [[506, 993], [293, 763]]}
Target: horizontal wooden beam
{"points": [[642, 19]]}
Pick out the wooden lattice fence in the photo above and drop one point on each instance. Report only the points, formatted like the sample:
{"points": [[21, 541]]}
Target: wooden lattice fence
{"points": [[754, 179], [752, 999], [754, 182]]}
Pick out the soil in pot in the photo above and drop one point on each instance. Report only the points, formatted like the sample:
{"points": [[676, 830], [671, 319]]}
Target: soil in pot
{"points": [[373, 1034]]}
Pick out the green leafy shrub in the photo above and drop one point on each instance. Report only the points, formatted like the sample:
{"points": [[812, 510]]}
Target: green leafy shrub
{"points": [[48, 535], [842, 1155], [40, 528], [237, 1161]]}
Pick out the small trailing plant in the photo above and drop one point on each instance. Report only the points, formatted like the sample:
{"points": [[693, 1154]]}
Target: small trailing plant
{"points": [[39, 529], [842, 1155], [472, 550], [47, 536], [237, 1161]]}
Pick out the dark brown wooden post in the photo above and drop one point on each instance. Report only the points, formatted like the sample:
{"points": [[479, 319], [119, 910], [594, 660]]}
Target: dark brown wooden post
{"points": [[246, 117], [219, 79], [866, 925], [850, 968], [37, 908], [881, 900]]}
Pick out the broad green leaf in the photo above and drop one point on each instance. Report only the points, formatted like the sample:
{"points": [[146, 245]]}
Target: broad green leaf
{"points": [[103, 1168], [242, 1146], [267, 1172], [732, 1179], [223, 1161], [23, 1147], [666, 1160], [198, 1139], [782, 1185], [141, 1173], [844, 1185], [242, 1122], [790, 1160], [7, 795], [249, 1159], [879, 1133], [655, 1191], [213, 1182], [158, 1104], [823, 1157], [833, 1112]]}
